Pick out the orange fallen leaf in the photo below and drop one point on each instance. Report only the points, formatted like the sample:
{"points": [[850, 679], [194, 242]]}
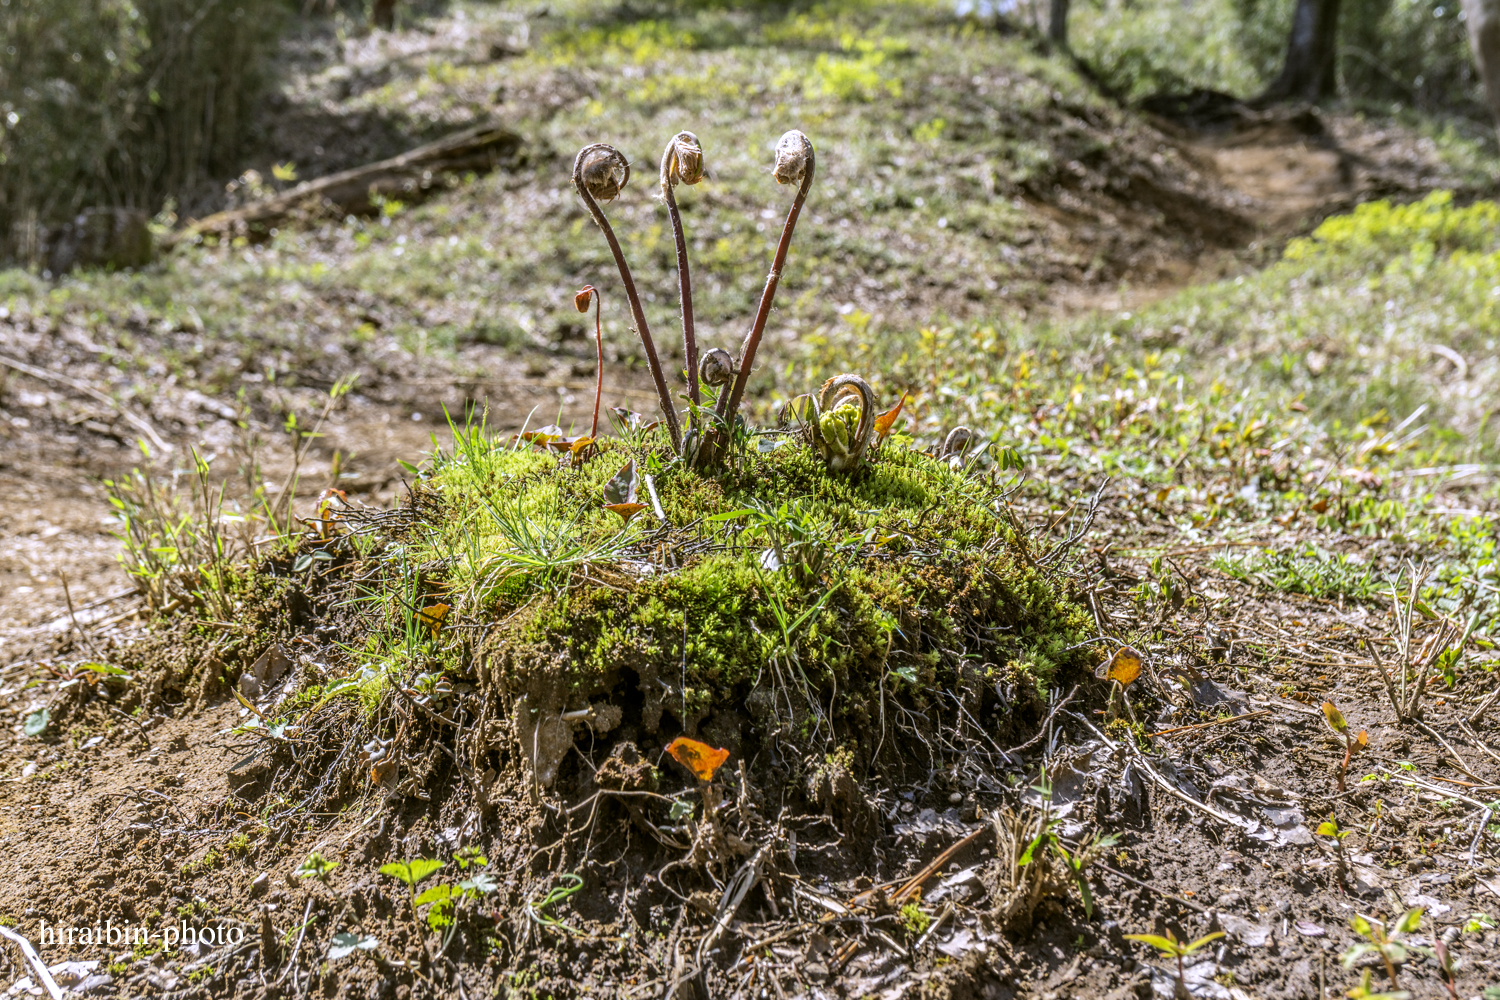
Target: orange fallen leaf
{"points": [[626, 510], [1124, 667], [433, 617], [700, 758], [887, 420], [1335, 717], [579, 450], [544, 435]]}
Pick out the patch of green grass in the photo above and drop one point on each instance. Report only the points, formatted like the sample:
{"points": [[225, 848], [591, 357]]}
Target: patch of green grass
{"points": [[211, 860], [1329, 392], [914, 919], [1306, 569], [1375, 316]]}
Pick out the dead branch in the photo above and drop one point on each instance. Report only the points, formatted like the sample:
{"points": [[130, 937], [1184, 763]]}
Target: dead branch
{"points": [[357, 191]]}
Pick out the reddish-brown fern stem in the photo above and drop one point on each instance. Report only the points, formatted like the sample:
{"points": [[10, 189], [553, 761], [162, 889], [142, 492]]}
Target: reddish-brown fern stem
{"points": [[730, 401], [685, 291], [684, 278], [586, 293], [668, 409]]}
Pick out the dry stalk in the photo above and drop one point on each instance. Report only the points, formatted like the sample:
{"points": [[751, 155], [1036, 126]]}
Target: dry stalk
{"points": [[1406, 680], [1023, 884]]}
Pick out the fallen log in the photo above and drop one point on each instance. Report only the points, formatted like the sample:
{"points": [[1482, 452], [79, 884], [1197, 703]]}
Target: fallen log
{"points": [[359, 190]]}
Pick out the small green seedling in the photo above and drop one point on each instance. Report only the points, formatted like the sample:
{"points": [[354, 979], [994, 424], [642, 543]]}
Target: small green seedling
{"points": [[1447, 965], [1330, 828], [1077, 861], [316, 866], [1364, 991], [1478, 923], [409, 873], [1352, 743], [1390, 944], [443, 899], [1170, 947]]}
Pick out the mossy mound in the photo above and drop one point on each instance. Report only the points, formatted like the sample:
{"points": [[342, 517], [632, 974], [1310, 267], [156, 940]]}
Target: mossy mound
{"points": [[776, 602]]}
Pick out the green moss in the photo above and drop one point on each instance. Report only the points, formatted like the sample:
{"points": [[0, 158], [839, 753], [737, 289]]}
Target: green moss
{"points": [[804, 597], [914, 920]]}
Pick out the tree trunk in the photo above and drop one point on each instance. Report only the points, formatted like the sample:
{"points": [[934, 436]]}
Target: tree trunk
{"points": [[1057, 23], [1483, 19], [1309, 73], [383, 14]]}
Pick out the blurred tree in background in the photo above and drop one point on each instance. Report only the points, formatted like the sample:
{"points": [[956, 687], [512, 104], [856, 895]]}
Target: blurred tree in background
{"points": [[1389, 55], [121, 103]]}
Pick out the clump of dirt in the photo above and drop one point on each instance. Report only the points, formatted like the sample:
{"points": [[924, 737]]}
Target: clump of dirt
{"points": [[811, 860]]}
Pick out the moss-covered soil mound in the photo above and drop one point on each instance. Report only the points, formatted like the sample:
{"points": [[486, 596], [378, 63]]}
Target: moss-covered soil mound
{"points": [[778, 611], [503, 665]]}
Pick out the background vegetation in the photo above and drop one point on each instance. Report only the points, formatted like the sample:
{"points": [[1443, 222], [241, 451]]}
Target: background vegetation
{"points": [[124, 103], [138, 103], [1394, 55]]}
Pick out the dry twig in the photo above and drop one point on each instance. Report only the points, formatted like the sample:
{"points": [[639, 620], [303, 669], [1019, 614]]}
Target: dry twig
{"points": [[34, 960]]}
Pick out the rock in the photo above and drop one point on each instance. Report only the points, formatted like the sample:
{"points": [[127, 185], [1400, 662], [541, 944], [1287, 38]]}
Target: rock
{"points": [[264, 672], [1247, 932], [99, 237]]}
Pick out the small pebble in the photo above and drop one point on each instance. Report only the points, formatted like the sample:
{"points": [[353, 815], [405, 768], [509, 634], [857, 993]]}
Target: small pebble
{"points": [[956, 798]]}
